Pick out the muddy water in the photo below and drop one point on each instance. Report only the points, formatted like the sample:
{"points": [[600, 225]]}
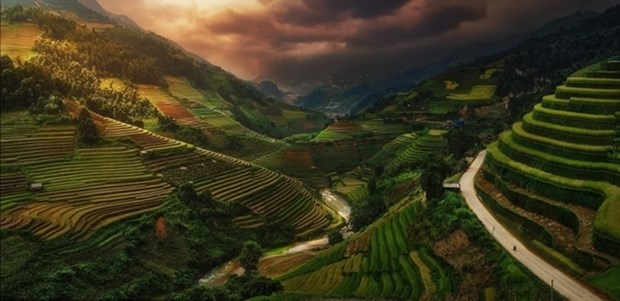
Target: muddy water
{"points": [[336, 202]]}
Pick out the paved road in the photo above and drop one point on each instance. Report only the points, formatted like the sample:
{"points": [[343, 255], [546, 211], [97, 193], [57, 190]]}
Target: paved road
{"points": [[562, 283]]}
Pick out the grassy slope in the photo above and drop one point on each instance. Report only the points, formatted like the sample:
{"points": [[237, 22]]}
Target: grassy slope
{"points": [[443, 265], [544, 166], [17, 39], [451, 89], [64, 179]]}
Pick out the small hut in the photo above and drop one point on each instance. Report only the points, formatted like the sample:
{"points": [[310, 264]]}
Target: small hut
{"points": [[35, 186]]}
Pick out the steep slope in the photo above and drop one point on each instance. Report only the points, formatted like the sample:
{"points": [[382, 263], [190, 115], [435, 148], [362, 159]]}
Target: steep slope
{"points": [[416, 251], [104, 50], [84, 198], [39, 155], [521, 74], [357, 95], [558, 169]]}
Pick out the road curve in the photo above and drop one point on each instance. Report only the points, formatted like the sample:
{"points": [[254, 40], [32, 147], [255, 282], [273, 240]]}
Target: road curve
{"points": [[562, 283]]}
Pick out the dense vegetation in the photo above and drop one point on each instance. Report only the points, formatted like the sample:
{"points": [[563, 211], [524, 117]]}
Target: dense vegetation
{"points": [[558, 170], [94, 208], [139, 264], [535, 67], [73, 58]]}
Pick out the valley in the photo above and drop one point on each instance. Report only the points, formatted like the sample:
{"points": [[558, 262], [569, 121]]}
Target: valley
{"points": [[133, 169]]}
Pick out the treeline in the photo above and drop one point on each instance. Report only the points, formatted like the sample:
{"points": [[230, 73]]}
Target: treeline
{"points": [[139, 57], [62, 70], [73, 76], [133, 56], [24, 87], [535, 67], [53, 26]]}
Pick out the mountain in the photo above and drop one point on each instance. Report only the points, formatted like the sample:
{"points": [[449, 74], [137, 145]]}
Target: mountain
{"points": [[564, 22], [131, 169], [520, 74], [72, 6], [367, 91], [270, 89], [110, 131], [121, 19], [145, 58]]}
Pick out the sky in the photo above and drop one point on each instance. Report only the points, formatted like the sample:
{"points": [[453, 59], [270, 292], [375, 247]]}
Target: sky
{"points": [[295, 41]]}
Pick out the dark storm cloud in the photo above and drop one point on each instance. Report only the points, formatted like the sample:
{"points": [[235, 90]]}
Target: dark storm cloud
{"points": [[430, 20], [356, 8], [317, 12], [299, 40]]}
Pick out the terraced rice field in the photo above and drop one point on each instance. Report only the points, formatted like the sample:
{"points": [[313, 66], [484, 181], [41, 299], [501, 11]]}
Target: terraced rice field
{"points": [[75, 200], [290, 161], [207, 111], [478, 92], [18, 39], [179, 87], [86, 189], [379, 127], [417, 149], [222, 120], [24, 143], [558, 168], [377, 263], [164, 102], [393, 147], [353, 185], [270, 195], [341, 130]]}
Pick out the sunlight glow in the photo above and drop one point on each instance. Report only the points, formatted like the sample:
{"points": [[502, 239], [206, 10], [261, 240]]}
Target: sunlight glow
{"points": [[211, 5]]}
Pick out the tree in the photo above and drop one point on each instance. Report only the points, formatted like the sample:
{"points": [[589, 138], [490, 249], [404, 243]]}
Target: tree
{"points": [[335, 237], [276, 233], [15, 14], [250, 254], [367, 212], [372, 186], [433, 174], [460, 140], [188, 195], [87, 131]]}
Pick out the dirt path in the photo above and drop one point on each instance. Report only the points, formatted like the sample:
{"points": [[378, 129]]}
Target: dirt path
{"points": [[219, 275], [565, 285]]}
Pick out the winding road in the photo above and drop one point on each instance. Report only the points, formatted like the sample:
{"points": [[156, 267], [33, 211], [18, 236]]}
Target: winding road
{"points": [[565, 285]]}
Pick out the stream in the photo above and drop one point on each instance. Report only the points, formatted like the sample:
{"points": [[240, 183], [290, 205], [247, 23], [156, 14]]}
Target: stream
{"points": [[220, 275]]}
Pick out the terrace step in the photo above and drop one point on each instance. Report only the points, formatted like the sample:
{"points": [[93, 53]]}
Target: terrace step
{"points": [[568, 92], [603, 74], [574, 119], [602, 106], [590, 82], [556, 233], [611, 65], [568, 167], [583, 152], [591, 139], [582, 215], [591, 194]]}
